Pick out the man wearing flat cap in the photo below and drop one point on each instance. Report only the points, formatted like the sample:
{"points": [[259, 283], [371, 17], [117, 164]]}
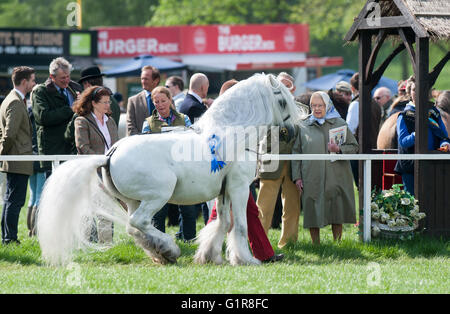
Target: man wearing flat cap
{"points": [[341, 97]]}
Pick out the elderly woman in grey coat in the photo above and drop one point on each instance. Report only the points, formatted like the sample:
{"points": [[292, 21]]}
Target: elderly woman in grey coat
{"points": [[326, 186], [95, 133]]}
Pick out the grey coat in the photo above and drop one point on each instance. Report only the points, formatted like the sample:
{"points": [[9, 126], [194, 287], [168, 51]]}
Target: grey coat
{"points": [[328, 196]]}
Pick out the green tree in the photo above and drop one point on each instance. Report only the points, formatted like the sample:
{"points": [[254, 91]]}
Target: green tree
{"points": [[54, 13], [201, 12]]}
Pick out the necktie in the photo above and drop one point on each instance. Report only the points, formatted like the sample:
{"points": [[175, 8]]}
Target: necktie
{"points": [[62, 91], [150, 104]]}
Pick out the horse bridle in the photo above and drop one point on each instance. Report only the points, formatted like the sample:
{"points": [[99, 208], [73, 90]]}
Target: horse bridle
{"points": [[282, 102]]}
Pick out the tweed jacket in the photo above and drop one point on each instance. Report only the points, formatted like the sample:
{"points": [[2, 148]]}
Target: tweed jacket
{"points": [[15, 134], [137, 112], [271, 170], [52, 114], [88, 137]]}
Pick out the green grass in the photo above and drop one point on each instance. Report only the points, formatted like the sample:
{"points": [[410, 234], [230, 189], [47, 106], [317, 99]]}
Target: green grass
{"points": [[420, 265]]}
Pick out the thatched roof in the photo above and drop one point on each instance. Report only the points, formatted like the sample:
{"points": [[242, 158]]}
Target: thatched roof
{"points": [[431, 18]]}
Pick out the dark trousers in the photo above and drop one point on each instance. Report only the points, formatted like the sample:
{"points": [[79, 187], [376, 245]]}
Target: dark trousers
{"points": [[354, 164], [173, 214], [408, 182], [16, 192], [203, 207], [188, 220]]}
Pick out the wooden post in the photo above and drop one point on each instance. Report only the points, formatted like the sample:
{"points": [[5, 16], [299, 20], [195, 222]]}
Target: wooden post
{"points": [[422, 95], [423, 170], [422, 107], [365, 146]]}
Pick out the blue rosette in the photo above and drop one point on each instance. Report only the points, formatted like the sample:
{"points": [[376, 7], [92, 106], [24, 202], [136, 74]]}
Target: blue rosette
{"points": [[214, 144]]}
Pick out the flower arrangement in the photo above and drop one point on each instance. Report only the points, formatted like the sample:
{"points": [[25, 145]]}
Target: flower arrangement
{"points": [[394, 210]]}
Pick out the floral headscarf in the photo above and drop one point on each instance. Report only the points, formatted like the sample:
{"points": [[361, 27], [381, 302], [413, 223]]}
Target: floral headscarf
{"points": [[331, 112]]}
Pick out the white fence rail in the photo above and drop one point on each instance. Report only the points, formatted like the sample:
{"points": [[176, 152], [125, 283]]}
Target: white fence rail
{"points": [[367, 158]]}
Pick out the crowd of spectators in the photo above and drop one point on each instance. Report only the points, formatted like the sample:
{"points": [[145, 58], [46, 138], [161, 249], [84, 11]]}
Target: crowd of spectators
{"points": [[68, 117]]}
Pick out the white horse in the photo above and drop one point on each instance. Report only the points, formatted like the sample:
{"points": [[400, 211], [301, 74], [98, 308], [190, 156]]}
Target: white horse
{"points": [[148, 171]]}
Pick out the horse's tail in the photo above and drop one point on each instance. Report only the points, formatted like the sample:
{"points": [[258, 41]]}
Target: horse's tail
{"points": [[72, 196]]}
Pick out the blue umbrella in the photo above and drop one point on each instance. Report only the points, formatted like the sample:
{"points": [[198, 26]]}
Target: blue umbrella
{"points": [[133, 67], [329, 81]]}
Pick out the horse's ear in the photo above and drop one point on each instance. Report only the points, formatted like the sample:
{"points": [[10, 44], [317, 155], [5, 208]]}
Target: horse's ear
{"points": [[273, 81]]}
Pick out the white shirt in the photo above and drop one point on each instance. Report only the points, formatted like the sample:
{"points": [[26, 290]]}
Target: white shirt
{"points": [[104, 129], [20, 93], [196, 96], [353, 116]]}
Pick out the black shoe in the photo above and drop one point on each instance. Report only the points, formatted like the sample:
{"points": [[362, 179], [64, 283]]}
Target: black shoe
{"points": [[274, 258], [17, 242]]}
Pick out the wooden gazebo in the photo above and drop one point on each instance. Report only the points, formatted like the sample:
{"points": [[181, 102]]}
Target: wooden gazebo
{"points": [[412, 24]]}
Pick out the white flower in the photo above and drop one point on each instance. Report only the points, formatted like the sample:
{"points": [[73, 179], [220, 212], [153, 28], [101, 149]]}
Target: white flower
{"points": [[391, 223], [376, 215], [373, 206], [420, 216], [405, 201], [375, 231], [387, 193], [400, 222]]}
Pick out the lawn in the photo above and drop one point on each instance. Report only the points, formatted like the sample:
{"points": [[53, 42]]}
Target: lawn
{"points": [[420, 265]]}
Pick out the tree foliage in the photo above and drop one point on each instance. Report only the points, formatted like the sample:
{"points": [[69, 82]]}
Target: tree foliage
{"points": [[328, 20], [54, 13]]}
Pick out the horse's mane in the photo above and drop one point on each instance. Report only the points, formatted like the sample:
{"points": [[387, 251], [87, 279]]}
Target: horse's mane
{"points": [[251, 102]]}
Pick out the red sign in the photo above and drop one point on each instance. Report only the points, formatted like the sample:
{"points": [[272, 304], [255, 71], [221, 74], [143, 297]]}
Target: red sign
{"points": [[210, 39], [134, 41], [220, 39]]}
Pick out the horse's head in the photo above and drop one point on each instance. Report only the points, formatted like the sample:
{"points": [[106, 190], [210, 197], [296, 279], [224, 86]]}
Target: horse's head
{"points": [[285, 111], [256, 101]]}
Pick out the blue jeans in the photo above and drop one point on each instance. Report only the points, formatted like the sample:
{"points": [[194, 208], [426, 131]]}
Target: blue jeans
{"points": [[37, 181]]}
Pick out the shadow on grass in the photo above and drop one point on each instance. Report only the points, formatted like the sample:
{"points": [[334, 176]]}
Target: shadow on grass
{"points": [[419, 246], [27, 253], [325, 253], [350, 250]]}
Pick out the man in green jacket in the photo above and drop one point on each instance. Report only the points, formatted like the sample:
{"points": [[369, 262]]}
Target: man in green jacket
{"points": [[15, 139], [52, 102]]}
